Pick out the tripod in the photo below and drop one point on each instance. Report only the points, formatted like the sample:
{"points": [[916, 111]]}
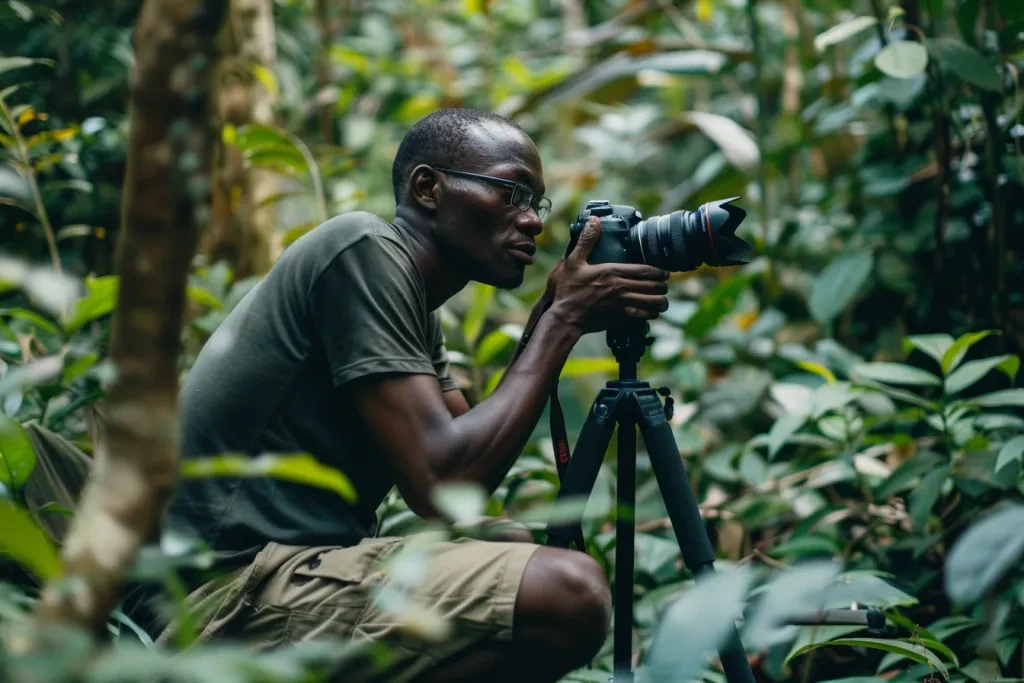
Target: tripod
{"points": [[633, 404]]}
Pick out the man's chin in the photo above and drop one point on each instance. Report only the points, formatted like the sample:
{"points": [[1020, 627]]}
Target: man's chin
{"points": [[510, 280]]}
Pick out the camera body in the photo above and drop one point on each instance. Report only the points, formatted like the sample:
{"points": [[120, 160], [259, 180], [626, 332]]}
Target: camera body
{"points": [[677, 241]]}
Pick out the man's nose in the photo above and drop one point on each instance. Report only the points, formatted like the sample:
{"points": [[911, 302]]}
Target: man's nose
{"points": [[531, 223]]}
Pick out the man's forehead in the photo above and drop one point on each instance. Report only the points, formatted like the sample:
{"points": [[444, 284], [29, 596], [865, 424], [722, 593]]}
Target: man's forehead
{"points": [[502, 146]]}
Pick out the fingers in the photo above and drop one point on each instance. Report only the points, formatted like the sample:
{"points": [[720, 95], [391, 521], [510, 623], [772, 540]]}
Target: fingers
{"points": [[636, 271], [642, 286], [586, 242], [644, 306]]}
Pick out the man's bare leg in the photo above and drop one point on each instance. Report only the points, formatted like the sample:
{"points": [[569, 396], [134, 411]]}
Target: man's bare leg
{"points": [[562, 617]]}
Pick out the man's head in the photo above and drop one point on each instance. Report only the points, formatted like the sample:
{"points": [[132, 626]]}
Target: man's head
{"points": [[485, 227]]}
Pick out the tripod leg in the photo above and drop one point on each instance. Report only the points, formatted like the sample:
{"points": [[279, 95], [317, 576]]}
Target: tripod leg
{"points": [[584, 466], [625, 530], [687, 523]]}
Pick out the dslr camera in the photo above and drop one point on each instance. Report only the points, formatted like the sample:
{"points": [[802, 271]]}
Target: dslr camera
{"points": [[677, 241]]}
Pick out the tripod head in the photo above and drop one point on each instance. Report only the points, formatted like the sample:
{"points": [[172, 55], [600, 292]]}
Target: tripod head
{"points": [[628, 341]]}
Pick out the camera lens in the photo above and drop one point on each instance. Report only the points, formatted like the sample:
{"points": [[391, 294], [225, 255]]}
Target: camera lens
{"points": [[683, 240]]}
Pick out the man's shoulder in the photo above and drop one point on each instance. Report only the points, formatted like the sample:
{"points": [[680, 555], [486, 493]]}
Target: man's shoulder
{"points": [[366, 232]]}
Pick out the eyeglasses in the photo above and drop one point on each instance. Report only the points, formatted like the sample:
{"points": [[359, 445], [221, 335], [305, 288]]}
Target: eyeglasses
{"points": [[522, 195]]}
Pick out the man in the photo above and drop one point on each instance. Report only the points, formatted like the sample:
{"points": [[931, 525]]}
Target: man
{"points": [[338, 352]]}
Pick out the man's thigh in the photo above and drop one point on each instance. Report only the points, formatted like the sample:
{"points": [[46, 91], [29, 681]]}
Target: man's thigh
{"points": [[418, 601]]}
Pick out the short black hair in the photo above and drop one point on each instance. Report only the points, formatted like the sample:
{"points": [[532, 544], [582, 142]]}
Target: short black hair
{"points": [[438, 139]]}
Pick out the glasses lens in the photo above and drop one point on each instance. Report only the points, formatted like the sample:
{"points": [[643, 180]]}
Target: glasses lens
{"points": [[522, 197], [543, 208]]}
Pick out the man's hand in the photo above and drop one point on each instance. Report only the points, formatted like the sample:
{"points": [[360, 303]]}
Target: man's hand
{"points": [[591, 297]]}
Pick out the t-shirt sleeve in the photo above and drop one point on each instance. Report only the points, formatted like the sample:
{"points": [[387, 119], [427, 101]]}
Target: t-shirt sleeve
{"points": [[440, 357], [369, 314]]}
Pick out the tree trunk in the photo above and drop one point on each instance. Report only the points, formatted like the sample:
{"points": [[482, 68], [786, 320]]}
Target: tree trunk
{"points": [[166, 202], [242, 229]]}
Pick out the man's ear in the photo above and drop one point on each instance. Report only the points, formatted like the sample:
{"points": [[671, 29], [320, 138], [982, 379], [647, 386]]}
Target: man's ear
{"points": [[424, 187]]}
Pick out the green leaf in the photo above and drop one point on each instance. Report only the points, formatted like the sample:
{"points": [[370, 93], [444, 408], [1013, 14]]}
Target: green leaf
{"points": [[818, 369], [23, 541], [78, 367], [838, 285], [983, 555], [204, 297], [843, 31], [575, 367], [907, 474], [895, 373], [301, 468], [98, 302], [461, 502], [1011, 452], [902, 59], [966, 62], [39, 321], [702, 618], [491, 345], [1006, 397], [923, 498], [736, 142], [935, 345], [715, 305], [956, 352], [909, 649], [17, 458], [973, 371], [783, 428], [12, 63], [473, 323]]}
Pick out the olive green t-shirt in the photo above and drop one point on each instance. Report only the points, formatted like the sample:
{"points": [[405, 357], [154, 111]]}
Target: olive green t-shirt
{"points": [[344, 301]]}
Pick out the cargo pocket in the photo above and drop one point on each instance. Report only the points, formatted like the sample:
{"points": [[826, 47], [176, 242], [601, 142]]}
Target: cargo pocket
{"points": [[338, 577]]}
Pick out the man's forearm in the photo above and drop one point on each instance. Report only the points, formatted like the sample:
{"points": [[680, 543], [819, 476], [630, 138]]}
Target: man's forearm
{"points": [[489, 437]]}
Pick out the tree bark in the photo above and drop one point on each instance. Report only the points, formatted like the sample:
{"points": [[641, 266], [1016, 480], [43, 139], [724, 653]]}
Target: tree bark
{"points": [[242, 229], [166, 202]]}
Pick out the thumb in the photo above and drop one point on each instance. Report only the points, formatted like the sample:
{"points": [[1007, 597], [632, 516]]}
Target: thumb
{"points": [[587, 240]]}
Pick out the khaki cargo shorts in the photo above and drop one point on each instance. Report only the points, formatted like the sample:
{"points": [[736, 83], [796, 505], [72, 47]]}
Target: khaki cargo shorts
{"points": [[445, 598], [415, 600]]}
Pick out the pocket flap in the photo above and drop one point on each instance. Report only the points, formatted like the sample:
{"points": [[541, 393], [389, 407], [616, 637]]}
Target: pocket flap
{"points": [[357, 564]]}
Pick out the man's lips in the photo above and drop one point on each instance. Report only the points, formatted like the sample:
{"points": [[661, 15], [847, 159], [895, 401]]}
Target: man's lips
{"points": [[524, 252]]}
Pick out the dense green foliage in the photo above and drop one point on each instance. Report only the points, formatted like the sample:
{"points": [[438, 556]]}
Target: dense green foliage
{"points": [[852, 394]]}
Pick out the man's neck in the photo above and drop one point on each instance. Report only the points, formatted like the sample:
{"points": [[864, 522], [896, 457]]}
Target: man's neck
{"points": [[439, 278]]}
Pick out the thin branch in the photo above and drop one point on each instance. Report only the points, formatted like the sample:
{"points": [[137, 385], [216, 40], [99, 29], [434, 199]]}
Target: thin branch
{"points": [[37, 197]]}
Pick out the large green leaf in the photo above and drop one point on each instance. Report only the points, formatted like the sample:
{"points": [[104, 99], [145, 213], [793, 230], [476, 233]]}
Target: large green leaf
{"points": [[737, 143], [935, 345], [843, 31], [1011, 452], [955, 353], [473, 323], [12, 63], [23, 541], [983, 555], [17, 459], [839, 284], [895, 373], [301, 468], [1006, 397], [902, 59], [969, 373], [966, 62], [702, 618], [715, 305], [910, 649], [98, 302]]}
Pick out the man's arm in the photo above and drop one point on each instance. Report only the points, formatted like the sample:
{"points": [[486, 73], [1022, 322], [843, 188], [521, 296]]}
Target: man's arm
{"points": [[414, 424], [425, 444]]}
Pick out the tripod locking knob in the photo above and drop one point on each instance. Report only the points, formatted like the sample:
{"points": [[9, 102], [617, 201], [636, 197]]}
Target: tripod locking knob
{"points": [[669, 403]]}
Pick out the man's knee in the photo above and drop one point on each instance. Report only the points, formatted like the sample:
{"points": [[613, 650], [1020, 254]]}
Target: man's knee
{"points": [[566, 592]]}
